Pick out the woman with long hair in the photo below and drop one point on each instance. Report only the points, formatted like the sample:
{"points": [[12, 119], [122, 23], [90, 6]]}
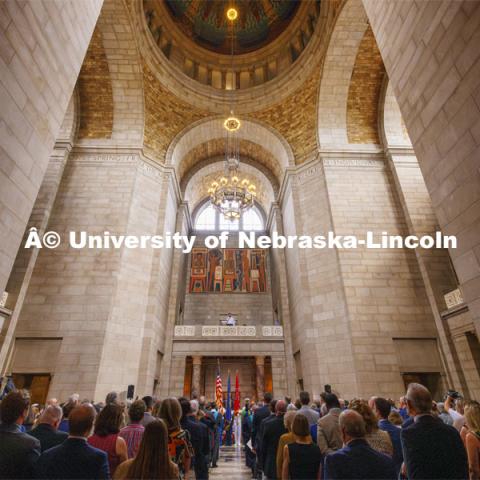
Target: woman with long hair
{"points": [[376, 438], [152, 460], [471, 435], [179, 446], [105, 435]]}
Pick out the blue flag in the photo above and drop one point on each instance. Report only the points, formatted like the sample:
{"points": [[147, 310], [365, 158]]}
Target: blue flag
{"points": [[228, 412]]}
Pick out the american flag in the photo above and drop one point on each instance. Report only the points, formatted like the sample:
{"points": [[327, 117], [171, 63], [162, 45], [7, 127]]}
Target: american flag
{"points": [[218, 389]]}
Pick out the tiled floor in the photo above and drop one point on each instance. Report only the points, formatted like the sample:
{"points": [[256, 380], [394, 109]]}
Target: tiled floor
{"points": [[231, 465]]}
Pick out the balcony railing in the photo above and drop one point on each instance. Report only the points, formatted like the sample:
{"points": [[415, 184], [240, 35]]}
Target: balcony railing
{"points": [[267, 331]]}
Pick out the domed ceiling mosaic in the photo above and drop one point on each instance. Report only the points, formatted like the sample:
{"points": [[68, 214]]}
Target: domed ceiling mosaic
{"points": [[259, 22]]}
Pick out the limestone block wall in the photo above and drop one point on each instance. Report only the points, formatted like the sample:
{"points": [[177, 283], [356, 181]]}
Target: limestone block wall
{"points": [[384, 290], [320, 326], [43, 46], [95, 300], [430, 51]]}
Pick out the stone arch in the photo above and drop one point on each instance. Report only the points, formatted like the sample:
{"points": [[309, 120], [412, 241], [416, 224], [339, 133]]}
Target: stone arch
{"points": [[117, 102], [212, 128], [392, 129], [339, 64]]}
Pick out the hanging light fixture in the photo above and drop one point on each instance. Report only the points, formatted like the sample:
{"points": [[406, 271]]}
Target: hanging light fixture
{"points": [[228, 194]]}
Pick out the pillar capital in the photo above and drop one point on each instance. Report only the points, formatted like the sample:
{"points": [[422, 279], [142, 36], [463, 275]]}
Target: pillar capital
{"points": [[196, 359], [259, 360]]}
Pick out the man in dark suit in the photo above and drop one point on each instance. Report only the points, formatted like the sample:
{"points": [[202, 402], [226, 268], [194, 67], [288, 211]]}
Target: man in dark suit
{"points": [[75, 458], [47, 429], [272, 431], [198, 437], [356, 460], [18, 450], [431, 449], [259, 416]]}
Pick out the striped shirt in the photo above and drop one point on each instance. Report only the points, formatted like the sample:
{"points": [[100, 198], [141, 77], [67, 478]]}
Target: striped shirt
{"points": [[132, 434]]}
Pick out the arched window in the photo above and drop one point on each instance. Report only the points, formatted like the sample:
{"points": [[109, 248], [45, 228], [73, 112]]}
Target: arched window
{"points": [[210, 219]]}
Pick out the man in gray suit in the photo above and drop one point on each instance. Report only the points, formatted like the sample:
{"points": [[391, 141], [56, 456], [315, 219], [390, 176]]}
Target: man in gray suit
{"points": [[18, 451], [329, 436]]}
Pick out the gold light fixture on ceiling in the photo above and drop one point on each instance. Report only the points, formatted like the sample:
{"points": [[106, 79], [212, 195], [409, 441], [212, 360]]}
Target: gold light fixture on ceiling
{"points": [[228, 194]]}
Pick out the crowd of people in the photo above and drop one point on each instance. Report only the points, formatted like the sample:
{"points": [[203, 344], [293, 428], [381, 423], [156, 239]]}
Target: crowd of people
{"points": [[178, 438]]}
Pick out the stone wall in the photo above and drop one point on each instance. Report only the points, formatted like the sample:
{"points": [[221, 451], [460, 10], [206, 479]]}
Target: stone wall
{"points": [[43, 46], [430, 51]]}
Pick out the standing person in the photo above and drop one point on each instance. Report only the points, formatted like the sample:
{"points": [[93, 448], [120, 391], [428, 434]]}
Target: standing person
{"points": [[259, 416], [382, 409], [357, 459], [106, 435], [147, 416], [285, 439], [18, 450], [272, 432], [329, 437], [472, 439], [133, 432], [198, 437], [376, 438], [179, 446], [454, 407], [75, 458], [218, 420], [46, 430], [310, 413], [152, 460], [431, 449], [301, 458], [247, 421]]}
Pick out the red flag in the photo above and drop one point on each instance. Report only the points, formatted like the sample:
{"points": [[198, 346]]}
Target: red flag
{"points": [[236, 403], [218, 388]]}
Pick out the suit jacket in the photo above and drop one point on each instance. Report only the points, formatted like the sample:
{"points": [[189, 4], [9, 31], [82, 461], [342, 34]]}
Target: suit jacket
{"points": [[329, 437], [18, 452], [310, 413], [200, 442], [73, 459], [272, 431], [432, 449], [394, 433], [48, 436], [358, 460], [259, 415]]}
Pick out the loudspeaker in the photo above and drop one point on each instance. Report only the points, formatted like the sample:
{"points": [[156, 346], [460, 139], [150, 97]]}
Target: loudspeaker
{"points": [[130, 392]]}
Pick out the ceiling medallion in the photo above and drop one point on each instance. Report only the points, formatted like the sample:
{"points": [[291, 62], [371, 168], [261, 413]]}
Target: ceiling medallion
{"points": [[232, 124], [228, 194]]}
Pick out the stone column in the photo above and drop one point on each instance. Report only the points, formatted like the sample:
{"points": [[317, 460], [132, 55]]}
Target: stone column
{"points": [[196, 372], [260, 376]]}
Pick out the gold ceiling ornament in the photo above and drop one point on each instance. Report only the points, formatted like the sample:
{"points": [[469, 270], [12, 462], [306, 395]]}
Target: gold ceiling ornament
{"points": [[232, 124], [232, 14]]}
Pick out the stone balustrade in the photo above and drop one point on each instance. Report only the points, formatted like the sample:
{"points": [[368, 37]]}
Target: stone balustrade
{"points": [[248, 331]]}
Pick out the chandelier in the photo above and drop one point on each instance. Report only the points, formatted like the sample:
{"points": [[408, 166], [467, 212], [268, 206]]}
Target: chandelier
{"points": [[228, 194]]}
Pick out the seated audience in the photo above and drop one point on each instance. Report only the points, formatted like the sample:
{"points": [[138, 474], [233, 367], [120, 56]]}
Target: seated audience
{"points": [[46, 430], [18, 450], [382, 409], [301, 458], [133, 432], [152, 460], [310, 413], [376, 438], [431, 449], [75, 458], [357, 459], [472, 438], [106, 435], [179, 446], [329, 437]]}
